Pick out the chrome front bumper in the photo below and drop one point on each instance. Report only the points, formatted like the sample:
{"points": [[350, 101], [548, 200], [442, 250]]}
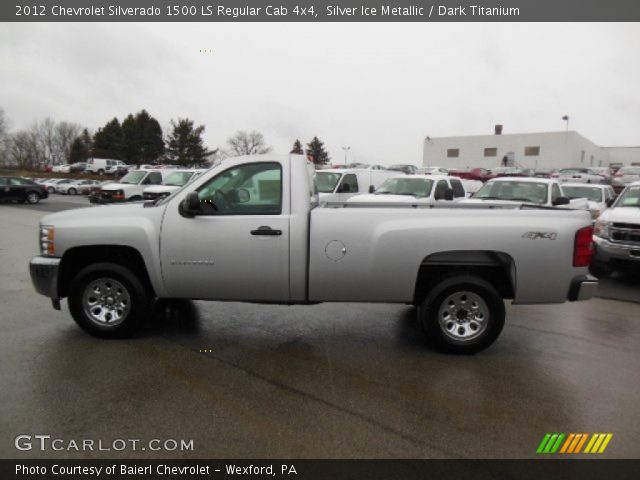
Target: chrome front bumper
{"points": [[607, 250], [44, 275], [583, 288]]}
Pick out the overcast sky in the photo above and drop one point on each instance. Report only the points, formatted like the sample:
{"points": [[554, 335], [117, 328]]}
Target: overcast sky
{"points": [[378, 88]]}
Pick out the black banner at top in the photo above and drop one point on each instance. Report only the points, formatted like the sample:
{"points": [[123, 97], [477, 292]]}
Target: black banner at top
{"points": [[320, 11]]}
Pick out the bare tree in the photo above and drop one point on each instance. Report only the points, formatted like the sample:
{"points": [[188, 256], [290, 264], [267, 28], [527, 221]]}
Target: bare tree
{"points": [[247, 143], [22, 149], [64, 135], [4, 141]]}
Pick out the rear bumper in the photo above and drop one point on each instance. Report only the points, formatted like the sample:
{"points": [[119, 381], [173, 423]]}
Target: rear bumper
{"points": [[44, 276], [582, 288]]}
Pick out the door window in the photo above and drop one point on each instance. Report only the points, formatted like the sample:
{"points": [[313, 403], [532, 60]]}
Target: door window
{"points": [[4, 181], [349, 184], [555, 192], [250, 189], [154, 178], [458, 189], [441, 187]]}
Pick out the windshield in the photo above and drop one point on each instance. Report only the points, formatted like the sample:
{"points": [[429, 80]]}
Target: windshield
{"points": [[327, 181], [177, 179], [590, 193], [630, 170], [629, 198], [532, 192], [416, 187], [573, 170], [133, 178]]}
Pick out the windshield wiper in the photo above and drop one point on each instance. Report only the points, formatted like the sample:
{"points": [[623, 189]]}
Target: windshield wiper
{"points": [[519, 199]]}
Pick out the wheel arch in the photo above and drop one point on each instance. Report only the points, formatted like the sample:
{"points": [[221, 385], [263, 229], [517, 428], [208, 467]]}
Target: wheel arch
{"points": [[77, 258], [497, 268]]}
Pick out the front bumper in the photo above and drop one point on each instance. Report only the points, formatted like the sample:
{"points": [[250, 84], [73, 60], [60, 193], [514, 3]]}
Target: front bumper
{"points": [[44, 275], [582, 288], [607, 251]]}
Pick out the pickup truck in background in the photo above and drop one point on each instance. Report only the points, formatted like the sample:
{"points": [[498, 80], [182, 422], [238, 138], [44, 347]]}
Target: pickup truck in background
{"points": [[617, 234], [130, 188], [170, 183], [528, 191], [415, 190], [252, 229], [337, 185]]}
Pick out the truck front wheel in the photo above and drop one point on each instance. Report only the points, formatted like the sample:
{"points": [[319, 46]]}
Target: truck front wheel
{"points": [[108, 300], [463, 314]]}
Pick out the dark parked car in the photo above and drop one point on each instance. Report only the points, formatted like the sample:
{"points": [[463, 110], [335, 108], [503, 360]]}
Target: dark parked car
{"points": [[22, 190]]}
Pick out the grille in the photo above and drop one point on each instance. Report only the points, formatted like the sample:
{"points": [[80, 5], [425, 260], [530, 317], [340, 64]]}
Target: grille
{"points": [[625, 233]]}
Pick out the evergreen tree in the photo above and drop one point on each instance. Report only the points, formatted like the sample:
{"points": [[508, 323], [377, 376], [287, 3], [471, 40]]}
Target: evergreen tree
{"points": [[297, 148], [315, 148], [142, 138], [107, 142], [185, 145], [79, 151]]}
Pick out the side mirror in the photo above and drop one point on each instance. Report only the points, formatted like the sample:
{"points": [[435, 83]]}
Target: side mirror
{"points": [[561, 201], [372, 189], [448, 194], [190, 206], [610, 201]]}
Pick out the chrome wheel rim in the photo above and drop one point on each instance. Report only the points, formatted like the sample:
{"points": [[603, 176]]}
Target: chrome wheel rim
{"points": [[32, 198], [463, 316], [106, 302]]}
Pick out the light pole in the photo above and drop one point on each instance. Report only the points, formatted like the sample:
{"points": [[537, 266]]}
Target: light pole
{"points": [[566, 119], [346, 149]]}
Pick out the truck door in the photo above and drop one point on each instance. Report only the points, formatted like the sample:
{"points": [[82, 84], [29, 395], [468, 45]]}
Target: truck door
{"points": [[238, 247]]}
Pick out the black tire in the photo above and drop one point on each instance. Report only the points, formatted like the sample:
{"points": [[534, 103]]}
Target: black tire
{"points": [[32, 198], [101, 172], [488, 318], [139, 300], [600, 270], [135, 198], [72, 191], [51, 189]]}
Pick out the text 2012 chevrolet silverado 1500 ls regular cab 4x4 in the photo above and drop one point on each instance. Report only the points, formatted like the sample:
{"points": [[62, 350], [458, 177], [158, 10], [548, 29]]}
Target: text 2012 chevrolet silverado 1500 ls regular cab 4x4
{"points": [[251, 229]]}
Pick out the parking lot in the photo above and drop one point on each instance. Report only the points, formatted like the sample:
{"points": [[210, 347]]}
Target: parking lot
{"points": [[327, 381]]}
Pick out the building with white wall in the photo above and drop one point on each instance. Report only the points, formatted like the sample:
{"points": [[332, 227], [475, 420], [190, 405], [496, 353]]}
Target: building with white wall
{"points": [[525, 150], [619, 156]]}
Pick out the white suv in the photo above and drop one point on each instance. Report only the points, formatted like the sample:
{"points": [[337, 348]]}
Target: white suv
{"points": [[130, 187]]}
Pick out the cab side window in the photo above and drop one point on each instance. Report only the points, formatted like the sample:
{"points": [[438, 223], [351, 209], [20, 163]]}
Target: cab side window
{"points": [[555, 192], [441, 187], [458, 189], [154, 178], [349, 184], [250, 189]]}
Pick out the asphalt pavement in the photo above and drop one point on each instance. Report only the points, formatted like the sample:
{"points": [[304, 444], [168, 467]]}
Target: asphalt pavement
{"points": [[322, 381]]}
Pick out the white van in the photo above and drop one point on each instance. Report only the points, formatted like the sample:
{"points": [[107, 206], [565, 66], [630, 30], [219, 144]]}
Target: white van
{"points": [[131, 186], [336, 185], [103, 166], [173, 180]]}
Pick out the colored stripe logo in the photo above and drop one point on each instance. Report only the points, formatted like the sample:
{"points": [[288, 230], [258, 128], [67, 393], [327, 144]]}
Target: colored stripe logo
{"points": [[573, 443]]}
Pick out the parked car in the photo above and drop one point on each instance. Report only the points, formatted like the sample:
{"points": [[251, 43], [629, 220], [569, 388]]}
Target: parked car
{"points": [[63, 168], [604, 172], [617, 234], [404, 168], [432, 171], [336, 185], [51, 183], [499, 172], [252, 230], [481, 174], [62, 183], [597, 196], [625, 176], [545, 173], [528, 191], [16, 189], [415, 189], [130, 187], [578, 175], [172, 182], [74, 186], [103, 166], [78, 167]]}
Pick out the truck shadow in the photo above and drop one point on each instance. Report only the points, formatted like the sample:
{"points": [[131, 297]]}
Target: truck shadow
{"points": [[173, 316]]}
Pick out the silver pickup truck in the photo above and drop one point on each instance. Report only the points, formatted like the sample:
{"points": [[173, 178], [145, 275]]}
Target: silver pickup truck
{"points": [[251, 229]]}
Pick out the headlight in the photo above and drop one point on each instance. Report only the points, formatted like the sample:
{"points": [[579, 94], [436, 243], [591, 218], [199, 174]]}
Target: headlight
{"points": [[601, 229], [47, 241]]}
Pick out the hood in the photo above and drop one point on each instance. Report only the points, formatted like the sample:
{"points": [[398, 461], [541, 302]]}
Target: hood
{"points": [[161, 189], [90, 215], [497, 202], [118, 186], [372, 198], [622, 215]]}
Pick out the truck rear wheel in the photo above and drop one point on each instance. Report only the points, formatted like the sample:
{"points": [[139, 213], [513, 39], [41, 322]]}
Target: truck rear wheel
{"points": [[463, 314], [108, 300]]}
